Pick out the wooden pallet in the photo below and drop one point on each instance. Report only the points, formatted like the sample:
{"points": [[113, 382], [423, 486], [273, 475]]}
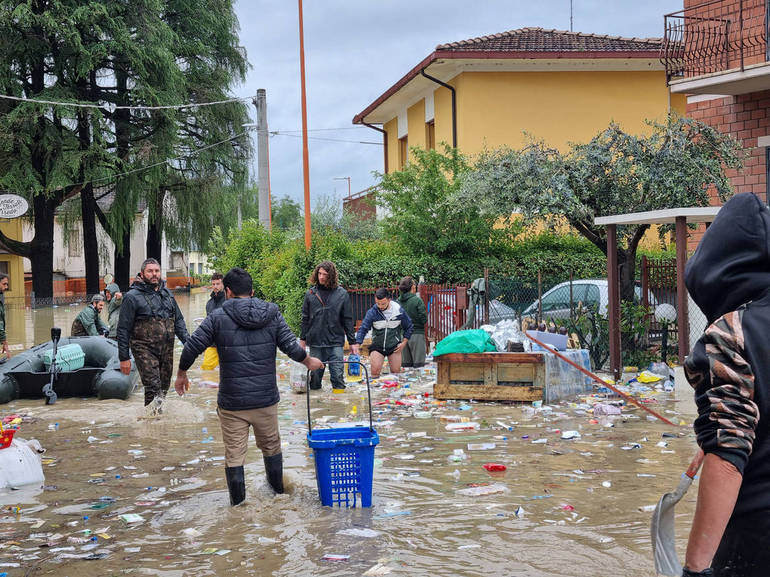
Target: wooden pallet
{"points": [[490, 376]]}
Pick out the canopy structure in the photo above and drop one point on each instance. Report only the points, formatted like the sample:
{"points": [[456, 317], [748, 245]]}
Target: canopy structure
{"points": [[680, 217]]}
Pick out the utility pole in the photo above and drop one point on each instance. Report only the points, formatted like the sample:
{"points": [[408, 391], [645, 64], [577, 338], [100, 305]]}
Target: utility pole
{"points": [[305, 156], [344, 178], [263, 160], [570, 15]]}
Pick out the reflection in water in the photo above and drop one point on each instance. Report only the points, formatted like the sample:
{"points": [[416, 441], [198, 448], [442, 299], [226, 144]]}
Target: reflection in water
{"points": [[568, 508]]}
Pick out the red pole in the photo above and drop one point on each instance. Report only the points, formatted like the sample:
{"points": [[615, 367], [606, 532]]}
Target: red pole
{"points": [[305, 159]]}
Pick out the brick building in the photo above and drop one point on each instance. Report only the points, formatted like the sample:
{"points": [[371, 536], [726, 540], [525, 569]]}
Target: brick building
{"points": [[716, 52]]}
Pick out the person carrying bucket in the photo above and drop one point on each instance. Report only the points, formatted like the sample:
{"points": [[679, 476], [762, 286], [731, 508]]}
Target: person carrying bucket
{"points": [[216, 300], [728, 277], [246, 332]]}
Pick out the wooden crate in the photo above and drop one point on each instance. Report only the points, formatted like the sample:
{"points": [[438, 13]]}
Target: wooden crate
{"points": [[490, 376]]}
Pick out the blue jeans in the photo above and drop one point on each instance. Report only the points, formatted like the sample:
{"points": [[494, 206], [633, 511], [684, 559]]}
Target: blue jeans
{"points": [[336, 369]]}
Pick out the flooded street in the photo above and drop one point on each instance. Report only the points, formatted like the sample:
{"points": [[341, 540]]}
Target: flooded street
{"points": [[562, 508]]}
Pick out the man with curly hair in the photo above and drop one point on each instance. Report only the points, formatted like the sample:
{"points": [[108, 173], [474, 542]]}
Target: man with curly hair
{"points": [[327, 319]]}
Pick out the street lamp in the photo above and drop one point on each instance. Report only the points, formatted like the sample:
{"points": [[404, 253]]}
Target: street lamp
{"points": [[665, 314], [344, 178], [305, 159]]}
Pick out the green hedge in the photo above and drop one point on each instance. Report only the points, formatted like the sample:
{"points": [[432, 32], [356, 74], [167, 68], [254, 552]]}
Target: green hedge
{"points": [[281, 266]]}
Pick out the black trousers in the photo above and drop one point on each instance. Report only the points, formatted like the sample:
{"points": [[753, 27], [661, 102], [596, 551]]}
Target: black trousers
{"points": [[744, 550]]}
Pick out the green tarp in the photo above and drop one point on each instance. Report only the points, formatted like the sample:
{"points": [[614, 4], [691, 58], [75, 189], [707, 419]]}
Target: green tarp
{"points": [[471, 341]]}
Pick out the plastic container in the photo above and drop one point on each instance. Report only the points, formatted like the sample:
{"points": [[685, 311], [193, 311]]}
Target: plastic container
{"points": [[344, 459], [6, 438], [68, 357], [354, 368], [344, 465]]}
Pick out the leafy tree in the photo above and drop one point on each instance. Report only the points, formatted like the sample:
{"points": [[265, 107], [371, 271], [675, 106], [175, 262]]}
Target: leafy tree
{"points": [[677, 165], [286, 213], [424, 211]]}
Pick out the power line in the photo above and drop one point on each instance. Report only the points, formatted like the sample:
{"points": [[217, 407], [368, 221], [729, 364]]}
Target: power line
{"points": [[149, 166], [276, 133], [112, 107]]}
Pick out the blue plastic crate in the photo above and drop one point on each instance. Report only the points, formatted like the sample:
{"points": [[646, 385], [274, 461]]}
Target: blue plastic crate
{"points": [[344, 464]]}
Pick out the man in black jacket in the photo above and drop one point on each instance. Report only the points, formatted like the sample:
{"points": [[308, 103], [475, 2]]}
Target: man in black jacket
{"points": [[149, 319], [327, 318], [246, 331], [728, 277]]}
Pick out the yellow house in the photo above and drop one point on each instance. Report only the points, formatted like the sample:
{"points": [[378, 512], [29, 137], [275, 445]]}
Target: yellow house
{"points": [[12, 264], [488, 92]]}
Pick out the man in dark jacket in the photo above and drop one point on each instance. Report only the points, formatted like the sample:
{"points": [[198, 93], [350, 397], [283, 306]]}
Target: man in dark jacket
{"points": [[88, 322], [216, 300], [149, 319], [246, 331], [729, 279], [413, 354], [3, 288], [391, 328], [327, 318]]}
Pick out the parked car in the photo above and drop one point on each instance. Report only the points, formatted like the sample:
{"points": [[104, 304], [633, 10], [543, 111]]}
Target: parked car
{"points": [[590, 292]]}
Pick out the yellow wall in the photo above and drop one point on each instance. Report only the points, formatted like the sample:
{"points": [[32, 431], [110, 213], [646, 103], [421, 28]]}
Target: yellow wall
{"points": [[12, 229], [497, 108], [391, 128], [416, 125]]}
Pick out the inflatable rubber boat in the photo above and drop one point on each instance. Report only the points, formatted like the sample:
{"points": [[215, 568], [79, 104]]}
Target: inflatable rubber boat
{"points": [[25, 375]]}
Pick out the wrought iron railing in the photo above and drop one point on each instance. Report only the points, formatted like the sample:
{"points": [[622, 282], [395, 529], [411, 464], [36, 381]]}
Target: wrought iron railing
{"points": [[714, 36]]}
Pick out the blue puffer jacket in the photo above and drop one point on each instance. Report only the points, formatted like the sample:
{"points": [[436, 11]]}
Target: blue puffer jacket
{"points": [[246, 333]]}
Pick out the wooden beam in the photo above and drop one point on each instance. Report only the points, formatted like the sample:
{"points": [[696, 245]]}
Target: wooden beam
{"points": [[613, 279], [682, 313]]}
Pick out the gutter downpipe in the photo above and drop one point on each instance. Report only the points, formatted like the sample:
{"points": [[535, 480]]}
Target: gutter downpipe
{"points": [[454, 104], [384, 141]]}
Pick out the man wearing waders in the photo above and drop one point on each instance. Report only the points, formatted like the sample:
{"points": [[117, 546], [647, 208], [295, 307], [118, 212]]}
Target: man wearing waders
{"points": [[149, 318]]}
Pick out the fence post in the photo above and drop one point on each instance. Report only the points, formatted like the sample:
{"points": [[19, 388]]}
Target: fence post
{"points": [[486, 296], [571, 298], [645, 283], [32, 299], [539, 298]]}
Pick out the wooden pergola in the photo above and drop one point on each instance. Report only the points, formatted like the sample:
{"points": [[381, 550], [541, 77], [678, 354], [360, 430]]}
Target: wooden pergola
{"points": [[680, 217]]}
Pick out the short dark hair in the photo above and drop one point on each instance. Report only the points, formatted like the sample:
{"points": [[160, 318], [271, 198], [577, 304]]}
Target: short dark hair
{"points": [[149, 261], [217, 276], [4, 275], [406, 284], [238, 281], [382, 293]]}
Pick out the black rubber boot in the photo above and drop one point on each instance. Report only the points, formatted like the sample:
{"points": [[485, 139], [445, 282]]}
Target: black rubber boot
{"points": [[274, 472], [236, 484]]}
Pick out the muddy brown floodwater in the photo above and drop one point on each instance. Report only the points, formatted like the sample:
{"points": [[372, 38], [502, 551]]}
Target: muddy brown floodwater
{"points": [[565, 507]]}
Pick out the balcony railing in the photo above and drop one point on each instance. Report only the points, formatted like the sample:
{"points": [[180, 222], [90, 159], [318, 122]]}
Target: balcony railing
{"points": [[714, 36]]}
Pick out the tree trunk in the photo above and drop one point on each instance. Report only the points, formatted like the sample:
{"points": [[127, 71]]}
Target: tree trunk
{"points": [[90, 242], [42, 247], [155, 227], [123, 274], [87, 213], [627, 265]]}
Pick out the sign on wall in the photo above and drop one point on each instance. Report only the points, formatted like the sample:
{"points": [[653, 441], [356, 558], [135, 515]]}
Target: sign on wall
{"points": [[12, 205]]}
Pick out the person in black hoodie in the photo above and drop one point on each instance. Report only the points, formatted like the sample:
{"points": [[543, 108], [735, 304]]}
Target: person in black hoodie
{"points": [[246, 331], [149, 319], [729, 279], [216, 300], [327, 318]]}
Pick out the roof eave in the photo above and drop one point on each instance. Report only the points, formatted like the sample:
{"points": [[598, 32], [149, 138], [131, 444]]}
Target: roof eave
{"points": [[496, 55]]}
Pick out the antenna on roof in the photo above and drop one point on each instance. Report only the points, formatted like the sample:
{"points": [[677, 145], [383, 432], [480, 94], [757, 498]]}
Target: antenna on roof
{"points": [[570, 15]]}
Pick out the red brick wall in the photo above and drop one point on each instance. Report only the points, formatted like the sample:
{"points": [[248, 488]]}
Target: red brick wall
{"points": [[364, 207], [746, 117]]}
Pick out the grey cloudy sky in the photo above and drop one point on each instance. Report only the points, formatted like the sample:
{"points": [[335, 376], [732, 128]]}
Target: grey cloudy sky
{"points": [[356, 49]]}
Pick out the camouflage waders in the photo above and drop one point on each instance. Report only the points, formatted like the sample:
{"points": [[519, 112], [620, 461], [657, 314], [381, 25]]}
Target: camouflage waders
{"points": [[152, 343]]}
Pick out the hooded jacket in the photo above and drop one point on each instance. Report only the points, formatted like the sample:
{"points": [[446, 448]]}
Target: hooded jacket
{"points": [[216, 300], [142, 301], [728, 277], [414, 306], [386, 334], [113, 309], [246, 333], [326, 324]]}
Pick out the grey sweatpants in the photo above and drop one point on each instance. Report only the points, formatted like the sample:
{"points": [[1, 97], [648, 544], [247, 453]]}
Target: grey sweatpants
{"points": [[413, 354]]}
